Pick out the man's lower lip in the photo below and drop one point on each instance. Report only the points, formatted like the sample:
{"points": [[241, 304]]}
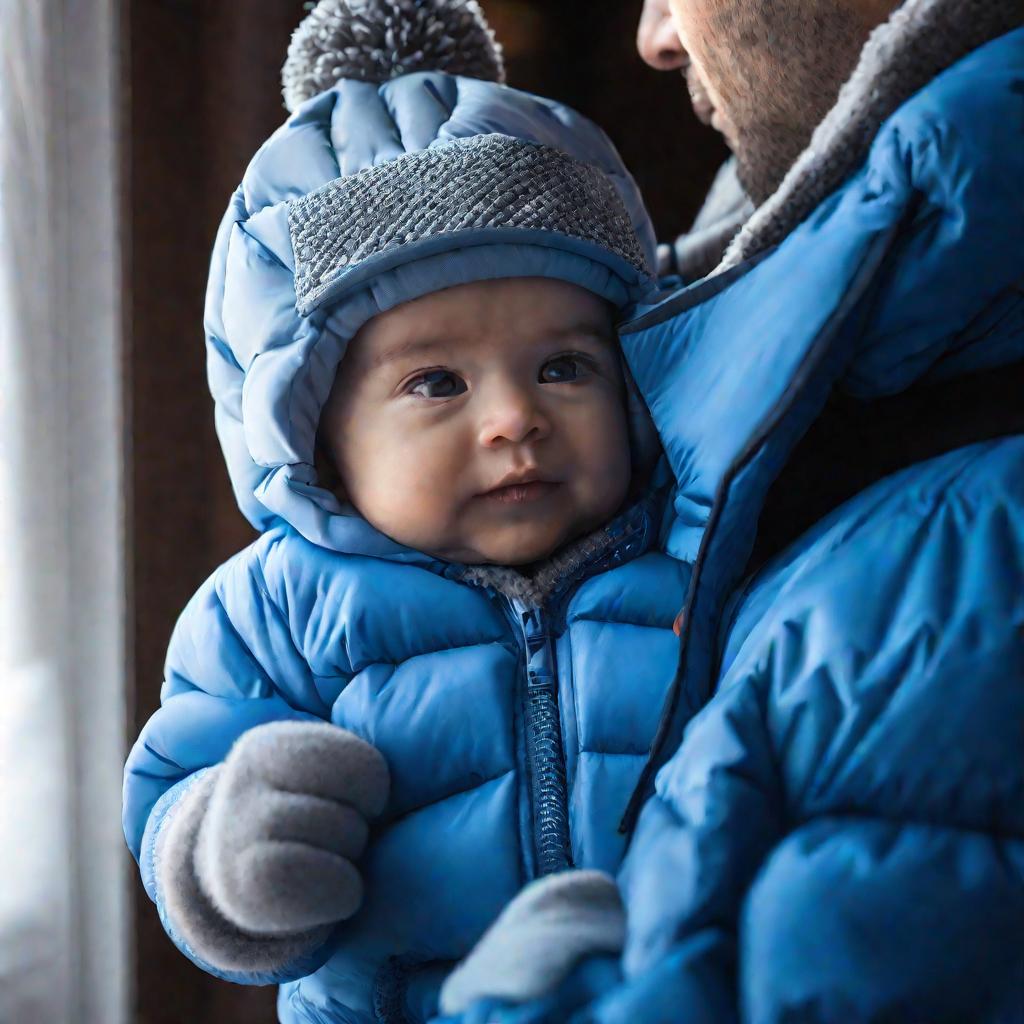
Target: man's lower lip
{"points": [[521, 494]]}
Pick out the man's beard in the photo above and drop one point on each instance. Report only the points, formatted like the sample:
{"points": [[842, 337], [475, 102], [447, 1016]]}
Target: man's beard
{"points": [[778, 75], [765, 153]]}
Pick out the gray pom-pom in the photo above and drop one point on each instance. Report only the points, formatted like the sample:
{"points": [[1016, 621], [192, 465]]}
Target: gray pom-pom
{"points": [[377, 40]]}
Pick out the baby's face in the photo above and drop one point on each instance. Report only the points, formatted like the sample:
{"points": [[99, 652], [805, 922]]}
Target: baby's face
{"points": [[485, 422]]}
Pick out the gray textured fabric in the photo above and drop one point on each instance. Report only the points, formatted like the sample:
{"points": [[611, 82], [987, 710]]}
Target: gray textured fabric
{"points": [[552, 925], [725, 210], [376, 40], [534, 587], [487, 181], [193, 916], [285, 821], [724, 200], [919, 41]]}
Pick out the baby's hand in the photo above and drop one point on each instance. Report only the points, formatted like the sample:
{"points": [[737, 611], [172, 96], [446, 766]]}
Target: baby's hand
{"points": [[286, 819], [555, 925]]}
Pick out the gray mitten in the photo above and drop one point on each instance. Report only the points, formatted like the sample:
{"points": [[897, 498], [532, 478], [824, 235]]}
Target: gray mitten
{"points": [[552, 925], [257, 864]]}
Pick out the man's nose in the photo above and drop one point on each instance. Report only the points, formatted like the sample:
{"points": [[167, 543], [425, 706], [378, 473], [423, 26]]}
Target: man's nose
{"points": [[513, 417], [657, 40]]}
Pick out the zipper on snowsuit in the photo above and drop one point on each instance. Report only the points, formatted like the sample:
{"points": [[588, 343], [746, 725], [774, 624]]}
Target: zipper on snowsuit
{"points": [[533, 625], [548, 790]]}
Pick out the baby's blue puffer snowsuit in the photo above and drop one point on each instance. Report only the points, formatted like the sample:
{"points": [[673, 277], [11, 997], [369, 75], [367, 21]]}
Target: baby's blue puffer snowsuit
{"points": [[514, 729]]}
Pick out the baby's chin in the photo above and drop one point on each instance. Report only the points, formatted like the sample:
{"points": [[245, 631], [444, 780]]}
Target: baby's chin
{"points": [[519, 538], [522, 544]]}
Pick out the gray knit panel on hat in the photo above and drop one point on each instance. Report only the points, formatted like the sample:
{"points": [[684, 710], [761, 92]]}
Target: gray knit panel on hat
{"points": [[484, 182]]}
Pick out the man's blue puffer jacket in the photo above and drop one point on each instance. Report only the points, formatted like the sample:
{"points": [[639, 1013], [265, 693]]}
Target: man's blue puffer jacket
{"points": [[514, 735], [839, 836]]}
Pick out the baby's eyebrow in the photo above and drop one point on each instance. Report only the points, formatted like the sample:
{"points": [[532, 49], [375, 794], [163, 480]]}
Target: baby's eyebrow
{"points": [[404, 349], [426, 346], [584, 328]]}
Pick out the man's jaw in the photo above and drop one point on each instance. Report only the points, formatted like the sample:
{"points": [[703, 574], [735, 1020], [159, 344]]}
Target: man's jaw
{"points": [[757, 185]]}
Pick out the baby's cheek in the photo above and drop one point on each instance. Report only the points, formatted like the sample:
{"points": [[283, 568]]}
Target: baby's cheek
{"points": [[419, 491], [606, 456]]}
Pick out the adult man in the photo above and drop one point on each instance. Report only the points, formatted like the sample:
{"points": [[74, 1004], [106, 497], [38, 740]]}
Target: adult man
{"points": [[840, 834]]}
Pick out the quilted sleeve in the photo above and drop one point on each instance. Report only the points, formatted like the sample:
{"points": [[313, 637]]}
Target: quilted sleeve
{"points": [[859, 920], [232, 664], [737, 913]]}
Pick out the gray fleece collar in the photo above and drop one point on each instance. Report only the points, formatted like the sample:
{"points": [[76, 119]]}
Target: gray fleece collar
{"points": [[726, 209], [535, 585], [920, 41]]}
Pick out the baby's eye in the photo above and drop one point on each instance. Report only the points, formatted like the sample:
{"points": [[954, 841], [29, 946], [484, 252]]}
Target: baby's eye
{"points": [[562, 369], [437, 384]]}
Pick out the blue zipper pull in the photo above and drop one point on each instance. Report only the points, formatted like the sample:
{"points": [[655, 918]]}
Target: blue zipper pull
{"points": [[538, 654]]}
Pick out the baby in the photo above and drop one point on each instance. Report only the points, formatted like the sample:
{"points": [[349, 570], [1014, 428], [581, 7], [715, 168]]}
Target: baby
{"points": [[485, 423], [437, 673]]}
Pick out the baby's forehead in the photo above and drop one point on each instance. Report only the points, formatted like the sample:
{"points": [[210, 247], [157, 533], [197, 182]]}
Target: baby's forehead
{"points": [[482, 314]]}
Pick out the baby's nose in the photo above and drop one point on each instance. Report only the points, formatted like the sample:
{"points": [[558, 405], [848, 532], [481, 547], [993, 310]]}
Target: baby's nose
{"points": [[513, 417]]}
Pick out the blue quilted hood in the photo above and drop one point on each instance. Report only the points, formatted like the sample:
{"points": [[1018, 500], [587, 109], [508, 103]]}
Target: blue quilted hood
{"points": [[273, 353]]}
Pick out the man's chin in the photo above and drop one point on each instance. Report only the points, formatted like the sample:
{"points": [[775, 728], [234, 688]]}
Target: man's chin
{"points": [[758, 174]]}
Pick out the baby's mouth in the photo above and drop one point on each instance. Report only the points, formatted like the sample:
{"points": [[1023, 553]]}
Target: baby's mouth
{"points": [[521, 494]]}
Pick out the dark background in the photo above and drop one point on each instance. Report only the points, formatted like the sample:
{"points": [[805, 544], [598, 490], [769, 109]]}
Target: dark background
{"points": [[201, 91]]}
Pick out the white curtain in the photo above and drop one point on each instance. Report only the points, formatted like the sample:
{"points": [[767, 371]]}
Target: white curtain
{"points": [[63, 869]]}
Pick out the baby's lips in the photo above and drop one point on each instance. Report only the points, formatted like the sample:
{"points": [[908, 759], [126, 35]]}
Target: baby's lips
{"points": [[524, 475]]}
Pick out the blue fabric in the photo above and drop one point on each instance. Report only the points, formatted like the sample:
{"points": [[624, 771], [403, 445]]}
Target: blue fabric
{"points": [[837, 834]]}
